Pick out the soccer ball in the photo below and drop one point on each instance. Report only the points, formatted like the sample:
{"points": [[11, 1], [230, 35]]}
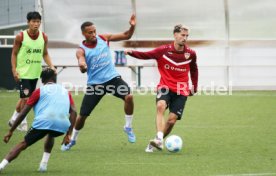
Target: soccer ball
{"points": [[173, 143]]}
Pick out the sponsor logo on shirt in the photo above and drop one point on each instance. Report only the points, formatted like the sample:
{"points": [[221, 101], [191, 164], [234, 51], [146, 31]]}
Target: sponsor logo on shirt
{"points": [[28, 61], [30, 51], [37, 51], [168, 67], [97, 58], [103, 64]]}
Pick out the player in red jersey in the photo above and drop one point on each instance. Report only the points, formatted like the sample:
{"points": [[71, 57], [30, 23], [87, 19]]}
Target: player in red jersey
{"points": [[175, 61]]}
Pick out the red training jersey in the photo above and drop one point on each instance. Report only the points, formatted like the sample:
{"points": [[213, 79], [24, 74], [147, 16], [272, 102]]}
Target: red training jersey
{"points": [[174, 67]]}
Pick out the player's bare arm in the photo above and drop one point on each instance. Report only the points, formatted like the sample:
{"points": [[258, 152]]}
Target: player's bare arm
{"points": [[81, 60], [16, 46], [72, 118], [46, 55], [125, 35], [19, 119]]}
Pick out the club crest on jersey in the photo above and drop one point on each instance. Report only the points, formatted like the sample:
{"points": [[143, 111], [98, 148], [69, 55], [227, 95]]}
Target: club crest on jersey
{"points": [[26, 91], [187, 55]]}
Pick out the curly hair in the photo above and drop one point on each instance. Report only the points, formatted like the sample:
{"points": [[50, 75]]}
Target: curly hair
{"points": [[47, 75]]}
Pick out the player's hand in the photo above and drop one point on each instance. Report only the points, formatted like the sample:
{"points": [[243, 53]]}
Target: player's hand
{"points": [[54, 68], [7, 137], [132, 20], [192, 93], [83, 67], [15, 75], [127, 52]]}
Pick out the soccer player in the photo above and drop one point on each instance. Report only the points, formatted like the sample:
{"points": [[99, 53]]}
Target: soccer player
{"points": [[29, 47], [52, 105], [94, 57], [175, 61]]}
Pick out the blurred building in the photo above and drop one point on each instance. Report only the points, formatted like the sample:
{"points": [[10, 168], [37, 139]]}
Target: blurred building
{"points": [[234, 39]]}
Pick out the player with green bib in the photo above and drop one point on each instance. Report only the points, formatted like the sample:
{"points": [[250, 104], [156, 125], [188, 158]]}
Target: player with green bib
{"points": [[29, 47]]}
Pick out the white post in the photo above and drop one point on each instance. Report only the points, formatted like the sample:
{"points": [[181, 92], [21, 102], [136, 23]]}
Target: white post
{"points": [[39, 8], [227, 48]]}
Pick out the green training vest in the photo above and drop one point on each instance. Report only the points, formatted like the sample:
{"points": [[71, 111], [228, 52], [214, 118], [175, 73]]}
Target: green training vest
{"points": [[29, 57]]}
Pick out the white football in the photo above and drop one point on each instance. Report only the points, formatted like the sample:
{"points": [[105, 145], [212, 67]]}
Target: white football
{"points": [[174, 143]]}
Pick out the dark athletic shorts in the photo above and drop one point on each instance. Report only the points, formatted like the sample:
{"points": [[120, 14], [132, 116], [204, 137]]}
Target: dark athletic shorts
{"points": [[94, 93], [26, 87], [174, 101], [34, 135]]}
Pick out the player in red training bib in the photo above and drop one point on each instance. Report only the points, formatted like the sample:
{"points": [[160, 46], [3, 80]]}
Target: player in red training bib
{"points": [[175, 62]]}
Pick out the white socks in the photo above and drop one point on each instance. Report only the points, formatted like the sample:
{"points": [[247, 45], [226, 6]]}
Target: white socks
{"points": [[45, 157], [4, 163], [75, 134], [160, 135], [15, 115], [128, 121], [24, 120]]}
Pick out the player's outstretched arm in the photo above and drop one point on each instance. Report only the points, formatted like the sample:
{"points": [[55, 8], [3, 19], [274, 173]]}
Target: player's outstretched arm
{"points": [[152, 54], [125, 35], [19, 119]]}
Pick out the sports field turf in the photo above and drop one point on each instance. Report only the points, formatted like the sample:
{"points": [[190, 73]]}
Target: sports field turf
{"points": [[223, 135]]}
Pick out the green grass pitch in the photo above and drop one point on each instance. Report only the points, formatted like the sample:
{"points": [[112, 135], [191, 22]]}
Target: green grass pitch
{"points": [[223, 135]]}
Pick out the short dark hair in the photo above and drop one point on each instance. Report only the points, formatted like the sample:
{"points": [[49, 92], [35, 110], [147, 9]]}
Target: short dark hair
{"points": [[85, 24], [47, 75], [179, 27], [33, 16]]}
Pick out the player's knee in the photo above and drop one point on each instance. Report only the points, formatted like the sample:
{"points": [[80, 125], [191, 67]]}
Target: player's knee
{"points": [[24, 100], [18, 108], [161, 106], [129, 98], [23, 145], [171, 121]]}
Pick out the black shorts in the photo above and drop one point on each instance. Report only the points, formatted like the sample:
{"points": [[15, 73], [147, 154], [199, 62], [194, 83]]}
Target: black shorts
{"points": [[26, 87], [94, 93], [34, 135], [174, 101]]}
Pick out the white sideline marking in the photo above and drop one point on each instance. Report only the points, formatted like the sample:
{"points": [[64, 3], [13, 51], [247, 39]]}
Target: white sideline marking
{"points": [[249, 174]]}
